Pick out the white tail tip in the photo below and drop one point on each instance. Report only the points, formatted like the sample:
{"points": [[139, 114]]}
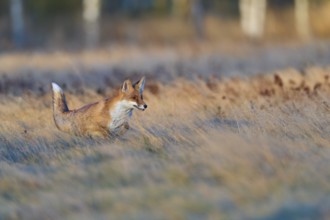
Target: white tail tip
{"points": [[56, 88]]}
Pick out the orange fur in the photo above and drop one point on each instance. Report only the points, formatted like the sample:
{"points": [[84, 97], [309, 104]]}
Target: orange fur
{"points": [[106, 118]]}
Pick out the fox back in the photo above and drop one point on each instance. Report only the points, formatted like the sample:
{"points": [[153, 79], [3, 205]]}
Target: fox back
{"points": [[105, 118]]}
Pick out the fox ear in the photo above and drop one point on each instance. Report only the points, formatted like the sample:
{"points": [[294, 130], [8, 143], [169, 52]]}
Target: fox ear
{"points": [[127, 85], [140, 84]]}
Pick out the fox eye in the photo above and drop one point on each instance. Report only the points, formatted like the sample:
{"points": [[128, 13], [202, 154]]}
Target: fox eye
{"points": [[135, 97]]}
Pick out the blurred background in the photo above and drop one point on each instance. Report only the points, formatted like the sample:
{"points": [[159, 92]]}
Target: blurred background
{"points": [[237, 125], [99, 43], [78, 24]]}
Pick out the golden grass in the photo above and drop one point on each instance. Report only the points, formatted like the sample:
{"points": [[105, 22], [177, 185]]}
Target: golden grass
{"points": [[220, 149]]}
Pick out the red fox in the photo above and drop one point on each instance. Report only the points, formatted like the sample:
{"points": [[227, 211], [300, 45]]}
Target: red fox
{"points": [[105, 119]]}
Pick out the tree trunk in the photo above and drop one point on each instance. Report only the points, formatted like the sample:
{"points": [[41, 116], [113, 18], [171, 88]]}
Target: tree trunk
{"points": [[302, 19], [17, 22], [253, 15], [197, 14], [91, 14]]}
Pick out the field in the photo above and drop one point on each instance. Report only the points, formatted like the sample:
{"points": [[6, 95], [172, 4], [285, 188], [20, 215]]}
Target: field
{"points": [[216, 142]]}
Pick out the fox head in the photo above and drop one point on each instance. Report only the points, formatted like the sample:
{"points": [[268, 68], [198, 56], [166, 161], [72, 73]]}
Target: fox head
{"points": [[133, 94]]}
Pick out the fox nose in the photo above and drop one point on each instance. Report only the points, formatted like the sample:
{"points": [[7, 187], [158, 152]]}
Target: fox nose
{"points": [[145, 106]]}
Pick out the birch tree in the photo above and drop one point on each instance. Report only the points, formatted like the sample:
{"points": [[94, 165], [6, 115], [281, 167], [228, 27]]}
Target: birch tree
{"points": [[302, 18], [91, 14], [253, 14], [17, 22], [197, 14]]}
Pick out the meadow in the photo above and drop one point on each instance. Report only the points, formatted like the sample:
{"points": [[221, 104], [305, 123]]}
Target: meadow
{"points": [[210, 145]]}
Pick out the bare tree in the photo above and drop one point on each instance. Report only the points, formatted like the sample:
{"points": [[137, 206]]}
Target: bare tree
{"points": [[302, 19], [197, 14], [91, 14], [17, 22], [253, 15]]}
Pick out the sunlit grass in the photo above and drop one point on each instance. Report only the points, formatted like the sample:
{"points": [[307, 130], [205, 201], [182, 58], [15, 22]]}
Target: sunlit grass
{"points": [[231, 148]]}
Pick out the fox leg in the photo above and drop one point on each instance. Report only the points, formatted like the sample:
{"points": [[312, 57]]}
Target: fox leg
{"points": [[123, 129]]}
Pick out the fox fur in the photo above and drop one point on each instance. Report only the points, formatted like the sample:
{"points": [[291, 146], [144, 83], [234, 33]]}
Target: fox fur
{"points": [[106, 118]]}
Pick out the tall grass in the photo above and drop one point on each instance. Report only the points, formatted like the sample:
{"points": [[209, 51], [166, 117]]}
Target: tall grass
{"points": [[220, 149]]}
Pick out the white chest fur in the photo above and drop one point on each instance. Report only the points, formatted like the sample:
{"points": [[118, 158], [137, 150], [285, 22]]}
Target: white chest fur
{"points": [[120, 114]]}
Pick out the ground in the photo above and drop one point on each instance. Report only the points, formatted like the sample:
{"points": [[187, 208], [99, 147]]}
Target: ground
{"points": [[210, 145]]}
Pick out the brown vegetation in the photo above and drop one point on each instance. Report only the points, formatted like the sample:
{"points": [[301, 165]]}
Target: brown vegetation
{"points": [[217, 148]]}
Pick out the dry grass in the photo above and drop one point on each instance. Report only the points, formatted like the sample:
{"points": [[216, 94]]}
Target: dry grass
{"points": [[235, 148]]}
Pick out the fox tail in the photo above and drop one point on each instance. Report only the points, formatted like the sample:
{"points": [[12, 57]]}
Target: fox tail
{"points": [[59, 105]]}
